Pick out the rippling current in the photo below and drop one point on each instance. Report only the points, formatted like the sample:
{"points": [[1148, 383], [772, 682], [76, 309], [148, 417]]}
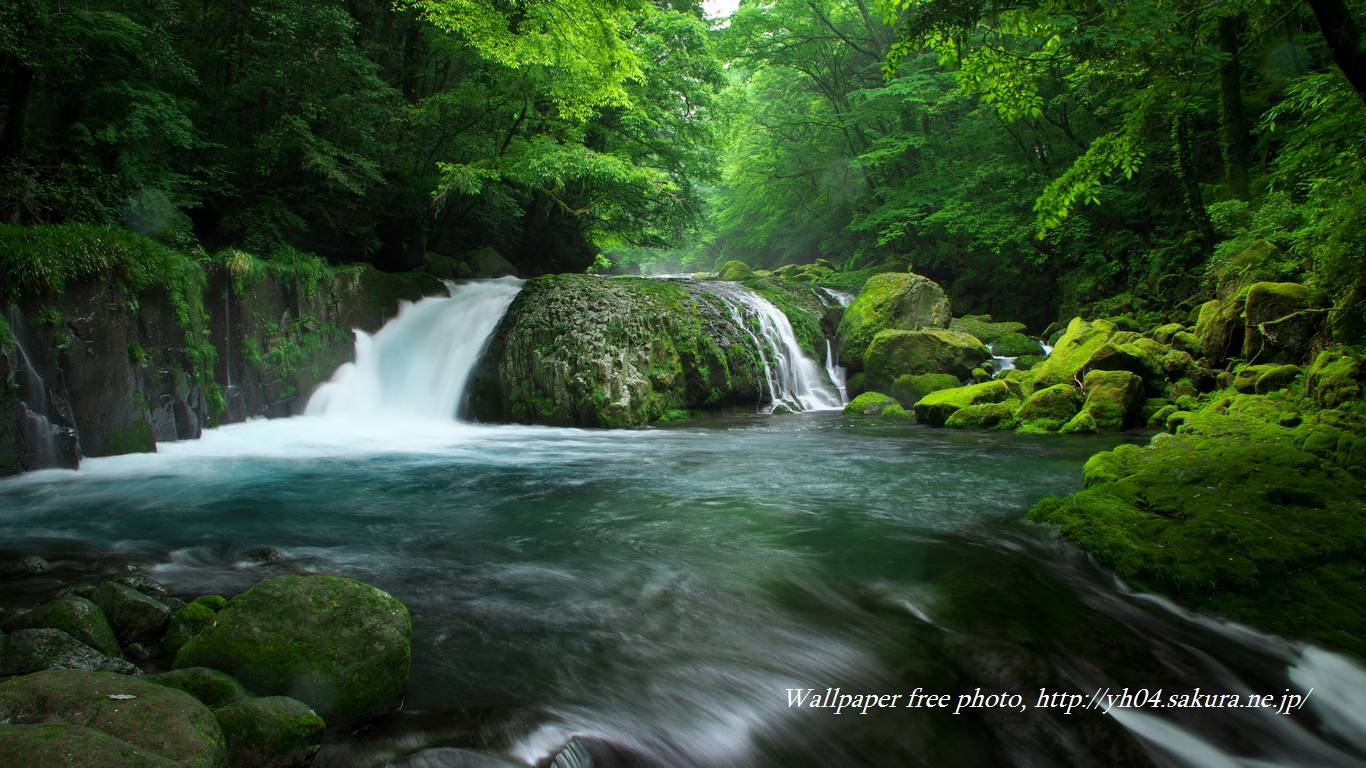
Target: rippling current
{"points": [[656, 592]]}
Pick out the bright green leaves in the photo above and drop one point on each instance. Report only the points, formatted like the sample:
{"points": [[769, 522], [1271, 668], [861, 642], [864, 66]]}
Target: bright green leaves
{"points": [[585, 44]]}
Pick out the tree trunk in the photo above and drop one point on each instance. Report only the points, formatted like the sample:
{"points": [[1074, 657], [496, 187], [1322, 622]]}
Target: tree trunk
{"points": [[1185, 171], [1344, 39], [1233, 129]]}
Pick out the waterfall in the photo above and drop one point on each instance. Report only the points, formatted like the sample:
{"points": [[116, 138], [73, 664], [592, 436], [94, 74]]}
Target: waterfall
{"points": [[417, 366], [840, 298], [794, 380]]}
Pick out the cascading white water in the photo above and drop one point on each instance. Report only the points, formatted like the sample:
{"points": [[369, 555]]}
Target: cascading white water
{"points": [[416, 366], [794, 380]]}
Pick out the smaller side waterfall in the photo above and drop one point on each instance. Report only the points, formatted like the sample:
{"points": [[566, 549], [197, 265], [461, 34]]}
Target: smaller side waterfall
{"points": [[418, 364], [794, 380]]}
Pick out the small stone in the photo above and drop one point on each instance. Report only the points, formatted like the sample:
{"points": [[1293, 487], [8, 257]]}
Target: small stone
{"points": [[134, 616], [28, 565], [270, 732], [75, 616], [36, 650]]}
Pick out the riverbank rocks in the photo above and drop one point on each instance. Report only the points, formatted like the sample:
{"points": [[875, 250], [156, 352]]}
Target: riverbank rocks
{"points": [[1073, 352], [936, 407], [270, 732], [1255, 508], [895, 353], [134, 616], [1219, 329], [148, 719], [734, 270], [890, 301], [35, 650], [336, 644], [190, 620], [983, 416], [209, 686], [76, 616], [984, 329], [579, 350], [1280, 321], [876, 404]]}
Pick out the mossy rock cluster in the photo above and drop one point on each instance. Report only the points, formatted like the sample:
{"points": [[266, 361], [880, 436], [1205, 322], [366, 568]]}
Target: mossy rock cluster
{"points": [[890, 301], [895, 353], [1254, 508], [878, 405]]}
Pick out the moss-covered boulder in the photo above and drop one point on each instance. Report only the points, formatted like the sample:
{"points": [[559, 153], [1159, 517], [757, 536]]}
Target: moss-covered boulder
{"points": [[1280, 321], [75, 616], [895, 412], [1165, 333], [1219, 329], [895, 353], [1261, 379], [1335, 378], [58, 745], [984, 329], [936, 407], [270, 732], [734, 270], [134, 616], [156, 720], [1047, 409], [1236, 513], [869, 404], [35, 650], [890, 301], [1112, 398], [984, 416], [908, 389], [1073, 352], [579, 350], [184, 624], [341, 646], [1015, 345], [210, 686], [1081, 424]]}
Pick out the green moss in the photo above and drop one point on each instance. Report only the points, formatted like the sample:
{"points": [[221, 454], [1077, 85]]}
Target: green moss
{"points": [[734, 270], [185, 624], [1048, 409], [1073, 352], [895, 412], [1261, 379], [1015, 345], [985, 330], [135, 439], [936, 407], [75, 616], [1237, 514], [870, 404], [984, 416], [275, 730], [1112, 398], [802, 307], [1335, 379], [6, 335], [209, 686], [1081, 424], [908, 389], [894, 353]]}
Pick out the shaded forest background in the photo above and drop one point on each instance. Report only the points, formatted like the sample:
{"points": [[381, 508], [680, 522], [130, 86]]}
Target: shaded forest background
{"points": [[1036, 158]]}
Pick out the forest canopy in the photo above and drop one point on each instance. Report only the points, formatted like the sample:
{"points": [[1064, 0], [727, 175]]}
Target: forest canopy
{"points": [[1034, 157]]}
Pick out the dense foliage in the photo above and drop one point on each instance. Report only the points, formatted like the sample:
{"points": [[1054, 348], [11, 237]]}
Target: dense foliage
{"points": [[360, 130], [1034, 157]]}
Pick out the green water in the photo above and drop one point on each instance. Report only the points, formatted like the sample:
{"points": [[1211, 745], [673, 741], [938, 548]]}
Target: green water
{"points": [[656, 592]]}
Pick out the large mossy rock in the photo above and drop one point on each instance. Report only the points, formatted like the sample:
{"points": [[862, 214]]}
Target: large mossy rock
{"points": [[59, 745], [1280, 321], [270, 732], [1015, 345], [149, 718], [734, 270], [578, 350], [1047, 409], [1238, 513], [984, 416], [869, 404], [908, 389], [1112, 398], [895, 353], [1261, 379], [1219, 329], [1072, 353], [341, 646], [35, 650], [75, 616], [210, 686], [984, 329], [890, 301], [936, 407]]}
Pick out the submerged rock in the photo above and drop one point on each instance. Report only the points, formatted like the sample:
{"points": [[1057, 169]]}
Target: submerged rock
{"points": [[75, 616], [270, 732], [894, 353], [984, 416], [148, 718], [870, 404], [35, 650], [341, 646], [890, 301]]}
